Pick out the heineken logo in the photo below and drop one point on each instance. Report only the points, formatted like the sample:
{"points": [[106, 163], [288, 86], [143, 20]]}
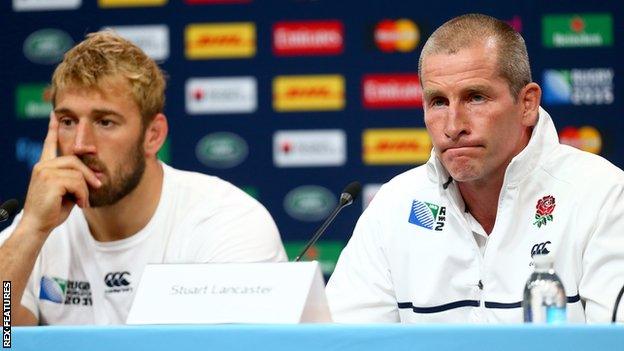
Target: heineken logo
{"points": [[577, 24], [577, 30], [427, 215], [33, 100], [47, 46], [221, 150]]}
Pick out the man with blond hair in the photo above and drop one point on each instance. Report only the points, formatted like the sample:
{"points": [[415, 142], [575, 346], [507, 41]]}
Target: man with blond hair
{"points": [[453, 240], [100, 205]]}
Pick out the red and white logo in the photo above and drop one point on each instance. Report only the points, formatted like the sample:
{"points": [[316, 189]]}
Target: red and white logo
{"points": [[309, 148], [221, 95], [391, 91], [152, 39], [308, 38]]}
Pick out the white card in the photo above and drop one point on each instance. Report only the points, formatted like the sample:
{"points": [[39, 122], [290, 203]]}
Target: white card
{"points": [[287, 292]]}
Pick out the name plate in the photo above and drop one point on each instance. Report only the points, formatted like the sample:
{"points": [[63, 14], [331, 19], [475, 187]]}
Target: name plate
{"points": [[286, 292]]}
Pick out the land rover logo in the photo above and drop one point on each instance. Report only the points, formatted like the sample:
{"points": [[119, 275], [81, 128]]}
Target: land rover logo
{"points": [[221, 150], [309, 203], [47, 46]]}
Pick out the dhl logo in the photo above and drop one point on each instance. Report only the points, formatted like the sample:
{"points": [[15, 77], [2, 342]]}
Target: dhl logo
{"points": [[308, 93], [297, 92], [130, 3], [395, 146], [220, 40]]}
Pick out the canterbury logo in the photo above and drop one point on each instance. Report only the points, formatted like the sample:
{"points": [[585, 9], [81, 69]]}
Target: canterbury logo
{"points": [[540, 249], [116, 279]]}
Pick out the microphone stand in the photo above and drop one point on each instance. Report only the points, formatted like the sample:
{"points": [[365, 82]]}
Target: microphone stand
{"points": [[617, 303], [345, 200]]}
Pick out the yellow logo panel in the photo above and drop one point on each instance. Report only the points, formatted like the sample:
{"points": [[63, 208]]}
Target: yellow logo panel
{"points": [[309, 93], [395, 146], [131, 3], [220, 40]]}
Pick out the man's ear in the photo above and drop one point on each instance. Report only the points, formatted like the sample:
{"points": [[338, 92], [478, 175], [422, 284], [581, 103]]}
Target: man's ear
{"points": [[530, 97], [155, 135]]}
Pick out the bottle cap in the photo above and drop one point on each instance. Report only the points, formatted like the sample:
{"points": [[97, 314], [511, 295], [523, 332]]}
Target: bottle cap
{"points": [[543, 260]]}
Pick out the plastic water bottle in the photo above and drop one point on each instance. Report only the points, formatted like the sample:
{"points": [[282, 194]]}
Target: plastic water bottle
{"points": [[544, 296]]}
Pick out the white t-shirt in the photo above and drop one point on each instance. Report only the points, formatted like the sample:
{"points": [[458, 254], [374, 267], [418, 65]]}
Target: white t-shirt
{"points": [[199, 218]]}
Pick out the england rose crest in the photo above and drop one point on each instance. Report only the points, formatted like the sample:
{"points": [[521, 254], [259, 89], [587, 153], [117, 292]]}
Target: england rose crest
{"points": [[544, 209]]}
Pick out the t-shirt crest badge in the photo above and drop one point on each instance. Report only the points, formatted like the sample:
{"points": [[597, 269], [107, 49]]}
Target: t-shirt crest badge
{"points": [[544, 209]]}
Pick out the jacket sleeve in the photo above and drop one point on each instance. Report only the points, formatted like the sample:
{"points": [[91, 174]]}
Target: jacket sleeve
{"points": [[360, 290], [603, 260]]}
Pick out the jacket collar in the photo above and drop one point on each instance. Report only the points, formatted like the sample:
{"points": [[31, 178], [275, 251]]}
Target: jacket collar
{"points": [[543, 141]]}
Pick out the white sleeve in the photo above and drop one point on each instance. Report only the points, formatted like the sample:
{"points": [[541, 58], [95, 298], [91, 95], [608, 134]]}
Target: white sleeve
{"points": [[29, 298], [603, 261], [6, 233], [360, 290], [236, 232]]}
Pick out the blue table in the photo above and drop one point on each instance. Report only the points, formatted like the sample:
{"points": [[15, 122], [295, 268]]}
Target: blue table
{"points": [[322, 337]]}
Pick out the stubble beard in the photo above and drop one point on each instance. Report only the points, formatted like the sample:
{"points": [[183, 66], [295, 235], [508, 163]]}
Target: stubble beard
{"points": [[126, 178]]}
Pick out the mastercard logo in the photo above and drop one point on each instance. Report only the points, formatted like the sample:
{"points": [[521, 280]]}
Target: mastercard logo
{"points": [[585, 138], [400, 35]]}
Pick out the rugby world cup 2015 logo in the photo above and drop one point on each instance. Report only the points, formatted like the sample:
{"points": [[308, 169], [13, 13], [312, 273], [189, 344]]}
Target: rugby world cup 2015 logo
{"points": [[53, 289], [427, 215]]}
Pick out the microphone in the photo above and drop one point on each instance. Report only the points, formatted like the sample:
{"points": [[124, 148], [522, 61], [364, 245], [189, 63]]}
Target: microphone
{"points": [[349, 194], [8, 209], [617, 304]]}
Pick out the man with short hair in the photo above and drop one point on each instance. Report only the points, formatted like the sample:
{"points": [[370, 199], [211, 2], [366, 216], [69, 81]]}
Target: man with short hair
{"points": [[453, 240], [81, 264]]}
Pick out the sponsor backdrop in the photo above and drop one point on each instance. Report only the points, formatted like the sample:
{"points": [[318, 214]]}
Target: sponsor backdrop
{"points": [[293, 99]]}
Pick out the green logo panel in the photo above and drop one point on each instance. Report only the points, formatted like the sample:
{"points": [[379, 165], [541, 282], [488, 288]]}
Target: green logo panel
{"points": [[577, 30], [31, 101]]}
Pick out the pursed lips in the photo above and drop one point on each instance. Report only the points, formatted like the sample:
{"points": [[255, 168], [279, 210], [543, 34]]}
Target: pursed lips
{"points": [[460, 148]]}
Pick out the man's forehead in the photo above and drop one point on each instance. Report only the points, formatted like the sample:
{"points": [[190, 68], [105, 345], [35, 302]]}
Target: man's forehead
{"points": [[114, 87], [465, 66], [471, 52]]}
